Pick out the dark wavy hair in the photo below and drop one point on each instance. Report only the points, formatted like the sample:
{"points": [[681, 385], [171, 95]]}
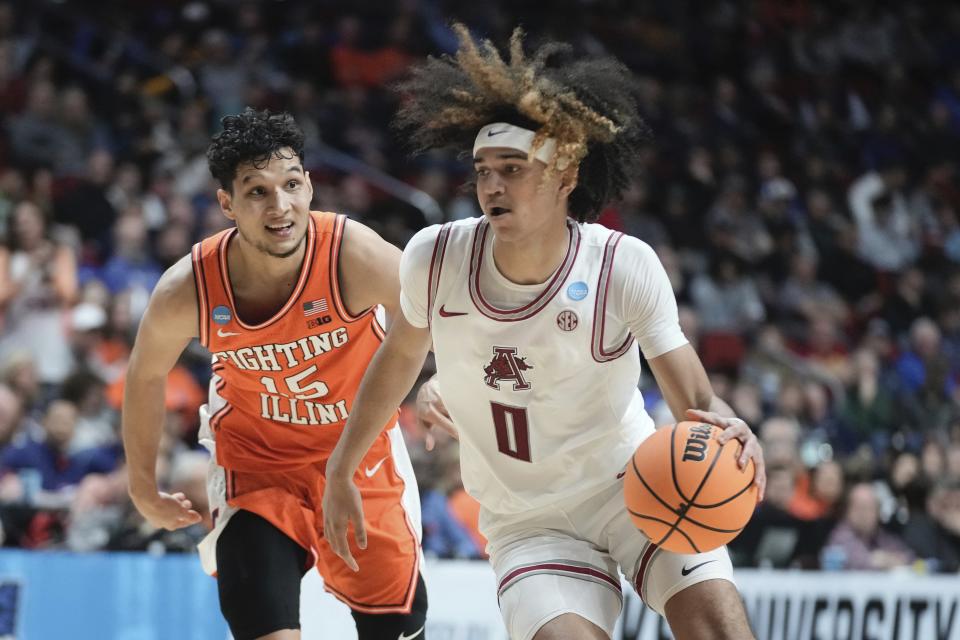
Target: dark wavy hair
{"points": [[252, 137], [589, 105]]}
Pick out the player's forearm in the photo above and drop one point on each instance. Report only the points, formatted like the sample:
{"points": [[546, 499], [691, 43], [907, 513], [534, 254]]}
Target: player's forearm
{"points": [[142, 424], [719, 406], [389, 378]]}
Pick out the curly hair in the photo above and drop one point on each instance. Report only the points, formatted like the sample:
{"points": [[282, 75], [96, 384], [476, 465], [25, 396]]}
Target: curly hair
{"points": [[587, 104], [251, 137]]}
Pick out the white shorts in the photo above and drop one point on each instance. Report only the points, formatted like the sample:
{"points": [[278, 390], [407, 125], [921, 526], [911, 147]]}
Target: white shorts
{"points": [[564, 559]]}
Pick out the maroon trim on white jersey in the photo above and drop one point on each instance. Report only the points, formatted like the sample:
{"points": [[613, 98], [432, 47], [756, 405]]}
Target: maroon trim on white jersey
{"points": [[643, 563], [600, 306], [565, 568], [537, 304], [436, 266]]}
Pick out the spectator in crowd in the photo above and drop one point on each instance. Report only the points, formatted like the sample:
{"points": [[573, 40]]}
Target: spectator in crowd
{"points": [[444, 535], [926, 381], [861, 540], [38, 283], [131, 268], [46, 464], [11, 415], [775, 537], [934, 534], [725, 299], [869, 409], [822, 496]]}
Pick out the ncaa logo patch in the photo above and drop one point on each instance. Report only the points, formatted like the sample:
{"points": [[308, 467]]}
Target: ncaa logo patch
{"points": [[567, 320], [222, 315], [578, 290]]}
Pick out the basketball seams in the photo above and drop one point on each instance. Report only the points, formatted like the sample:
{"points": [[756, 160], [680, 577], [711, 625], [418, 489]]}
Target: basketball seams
{"points": [[690, 502], [671, 509], [731, 498], [687, 518], [662, 525], [703, 481]]}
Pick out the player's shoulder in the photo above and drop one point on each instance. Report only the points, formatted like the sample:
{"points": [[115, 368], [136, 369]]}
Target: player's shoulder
{"points": [[423, 242], [596, 234], [176, 292]]}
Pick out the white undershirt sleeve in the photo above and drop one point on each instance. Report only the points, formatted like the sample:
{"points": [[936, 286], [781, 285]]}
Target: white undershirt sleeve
{"points": [[415, 274], [645, 303]]}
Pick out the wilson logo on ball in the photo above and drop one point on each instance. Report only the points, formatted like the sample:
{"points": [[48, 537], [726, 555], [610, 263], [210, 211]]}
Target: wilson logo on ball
{"points": [[696, 447]]}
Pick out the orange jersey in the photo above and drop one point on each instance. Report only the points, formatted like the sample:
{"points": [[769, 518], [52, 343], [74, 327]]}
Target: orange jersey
{"points": [[282, 390]]}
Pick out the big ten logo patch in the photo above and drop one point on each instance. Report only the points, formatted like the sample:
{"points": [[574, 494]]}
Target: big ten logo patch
{"points": [[9, 607], [506, 366], [316, 322], [567, 320]]}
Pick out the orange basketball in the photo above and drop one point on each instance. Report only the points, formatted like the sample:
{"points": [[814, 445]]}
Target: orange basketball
{"points": [[685, 491]]}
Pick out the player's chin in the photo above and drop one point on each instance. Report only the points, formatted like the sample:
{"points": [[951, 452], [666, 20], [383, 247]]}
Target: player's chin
{"points": [[283, 247]]}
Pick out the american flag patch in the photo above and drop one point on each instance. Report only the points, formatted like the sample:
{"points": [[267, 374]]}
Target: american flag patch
{"points": [[315, 307]]}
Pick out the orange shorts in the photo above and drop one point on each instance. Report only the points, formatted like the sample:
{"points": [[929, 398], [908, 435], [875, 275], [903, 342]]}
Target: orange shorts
{"points": [[389, 565]]}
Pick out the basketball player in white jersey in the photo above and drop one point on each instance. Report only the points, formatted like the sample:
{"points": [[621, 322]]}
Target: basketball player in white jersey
{"points": [[537, 319]]}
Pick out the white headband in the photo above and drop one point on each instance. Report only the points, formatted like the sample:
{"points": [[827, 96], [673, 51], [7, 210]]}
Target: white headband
{"points": [[501, 134]]}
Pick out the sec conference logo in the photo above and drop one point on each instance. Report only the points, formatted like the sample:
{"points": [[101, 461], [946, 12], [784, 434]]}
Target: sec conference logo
{"points": [[578, 290], [567, 320]]}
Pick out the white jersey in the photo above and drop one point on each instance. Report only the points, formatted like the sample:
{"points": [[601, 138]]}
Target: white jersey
{"points": [[540, 380]]}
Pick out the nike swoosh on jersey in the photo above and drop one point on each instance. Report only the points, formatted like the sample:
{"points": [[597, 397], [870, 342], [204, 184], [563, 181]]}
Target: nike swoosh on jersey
{"points": [[372, 470], [226, 334], [450, 314], [685, 572], [413, 635], [621, 474]]}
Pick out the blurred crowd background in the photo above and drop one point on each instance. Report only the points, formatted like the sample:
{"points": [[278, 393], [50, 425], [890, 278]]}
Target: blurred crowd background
{"points": [[801, 190]]}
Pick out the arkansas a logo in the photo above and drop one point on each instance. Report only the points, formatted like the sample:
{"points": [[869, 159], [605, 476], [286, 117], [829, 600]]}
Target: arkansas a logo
{"points": [[506, 366]]}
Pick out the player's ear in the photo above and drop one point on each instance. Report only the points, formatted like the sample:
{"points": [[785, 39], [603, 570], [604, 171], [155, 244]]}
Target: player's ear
{"points": [[226, 203], [568, 180]]}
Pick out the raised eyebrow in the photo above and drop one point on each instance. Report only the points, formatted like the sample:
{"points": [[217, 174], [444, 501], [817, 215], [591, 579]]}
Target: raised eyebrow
{"points": [[250, 176]]}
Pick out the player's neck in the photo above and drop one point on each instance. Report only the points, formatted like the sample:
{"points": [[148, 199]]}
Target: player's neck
{"points": [[254, 268], [532, 259]]}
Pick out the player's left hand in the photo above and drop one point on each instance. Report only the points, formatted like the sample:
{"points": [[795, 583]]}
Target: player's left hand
{"points": [[431, 413], [341, 507], [737, 428]]}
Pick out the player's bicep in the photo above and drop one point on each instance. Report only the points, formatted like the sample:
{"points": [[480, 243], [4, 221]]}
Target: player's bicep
{"points": [[168, 324], [369, 270]]}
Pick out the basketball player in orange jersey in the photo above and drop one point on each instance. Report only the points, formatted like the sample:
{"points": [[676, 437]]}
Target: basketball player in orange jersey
{"points": [[286, 301], [537, 319]]}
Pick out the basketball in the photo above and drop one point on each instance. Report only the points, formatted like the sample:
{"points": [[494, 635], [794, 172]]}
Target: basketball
{"points": [[684, 490]]}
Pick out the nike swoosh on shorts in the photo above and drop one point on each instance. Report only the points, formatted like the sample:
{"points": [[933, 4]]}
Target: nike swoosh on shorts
{"points": [[685, 572]]}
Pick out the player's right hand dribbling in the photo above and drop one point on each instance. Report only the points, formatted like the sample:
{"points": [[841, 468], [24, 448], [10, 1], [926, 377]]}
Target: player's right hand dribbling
{"points": [[342, 506], [167, 511]]}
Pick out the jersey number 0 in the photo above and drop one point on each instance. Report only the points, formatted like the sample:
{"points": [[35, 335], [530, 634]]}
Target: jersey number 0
{"points": [[513, 432]]}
